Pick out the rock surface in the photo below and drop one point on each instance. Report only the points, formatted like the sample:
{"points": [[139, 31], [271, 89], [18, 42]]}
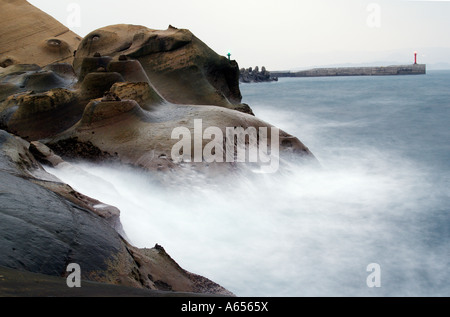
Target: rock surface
{"points": [[45, 225], [251, 75], [17, 283], [30, 36], [122, 131], [183, 69], [127, 90]]}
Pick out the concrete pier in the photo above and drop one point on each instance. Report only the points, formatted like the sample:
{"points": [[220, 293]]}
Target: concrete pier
{"points": [[413, 69]]}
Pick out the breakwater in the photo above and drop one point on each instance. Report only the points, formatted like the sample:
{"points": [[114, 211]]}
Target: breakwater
{"points": [[413, 69]]}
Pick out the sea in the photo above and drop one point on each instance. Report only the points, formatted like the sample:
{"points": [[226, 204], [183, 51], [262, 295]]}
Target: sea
{"points": [[373, 220]]}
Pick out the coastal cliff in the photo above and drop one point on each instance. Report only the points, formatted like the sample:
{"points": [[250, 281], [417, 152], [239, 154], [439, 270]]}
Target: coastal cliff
{"points": [[114, 96]]}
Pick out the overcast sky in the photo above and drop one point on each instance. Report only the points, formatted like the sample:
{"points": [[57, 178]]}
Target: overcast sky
{"points": [[282, 34]]}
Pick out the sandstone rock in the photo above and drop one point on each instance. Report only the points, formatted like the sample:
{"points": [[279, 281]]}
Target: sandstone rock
{"points": [[44, 154], [97, 83], [182, 68], [98, 114], [92, 64], [156, 266], [19, 69], [124, 132], [131, 70], [38, 115], [127, 91], [134, 127], [63, 70], [7, 89], [141, 92], [25, 77], [32, 36], [15, 283], [73, 228]]}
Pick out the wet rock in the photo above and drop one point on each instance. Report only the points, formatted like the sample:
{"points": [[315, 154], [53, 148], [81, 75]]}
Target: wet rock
{"points": [[41, 239], [7, 89], [39, 115], [124, 132], [31, 78], [251, 75], [44, 154], [73, 149], [63, 70], [18, 69], [45, 225], [42, 81], [129, 88]]}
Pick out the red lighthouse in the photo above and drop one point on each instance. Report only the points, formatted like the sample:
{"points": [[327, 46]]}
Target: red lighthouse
{"points": [[415, 58]]}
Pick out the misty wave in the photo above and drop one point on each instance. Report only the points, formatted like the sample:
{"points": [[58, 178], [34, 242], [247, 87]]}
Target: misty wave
{"points": [[309, 231], [380, 196]]}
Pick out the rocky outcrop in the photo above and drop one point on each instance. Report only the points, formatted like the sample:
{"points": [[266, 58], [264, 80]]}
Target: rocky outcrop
{"points": [[38, 115], [45, 225], [128, 89], [30, 36], [251, 75], [183, 69], [17, 283], [114, 112], [122, 131]]}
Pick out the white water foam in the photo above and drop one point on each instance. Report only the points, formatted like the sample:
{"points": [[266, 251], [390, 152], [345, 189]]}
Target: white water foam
{"points": [[308, 232]]}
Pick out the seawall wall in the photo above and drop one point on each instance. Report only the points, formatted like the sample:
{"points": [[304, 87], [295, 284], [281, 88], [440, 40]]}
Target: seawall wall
{"points": [[414, 69]]}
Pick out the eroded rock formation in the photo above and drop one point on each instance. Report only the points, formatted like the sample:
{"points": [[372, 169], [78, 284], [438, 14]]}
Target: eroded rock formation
{"points": [[126, 91], [30, 36], [183, 69], [45, 225]]}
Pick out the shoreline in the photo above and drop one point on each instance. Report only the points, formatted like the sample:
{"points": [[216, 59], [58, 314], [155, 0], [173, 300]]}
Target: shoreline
{"points": [[21, 283]]}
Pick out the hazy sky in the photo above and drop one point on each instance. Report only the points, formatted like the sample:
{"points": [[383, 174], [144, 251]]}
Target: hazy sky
{"points": [[282, 34]]}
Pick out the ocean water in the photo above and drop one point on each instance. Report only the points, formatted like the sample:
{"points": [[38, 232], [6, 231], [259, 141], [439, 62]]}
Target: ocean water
{"points": [[381, 195]]}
